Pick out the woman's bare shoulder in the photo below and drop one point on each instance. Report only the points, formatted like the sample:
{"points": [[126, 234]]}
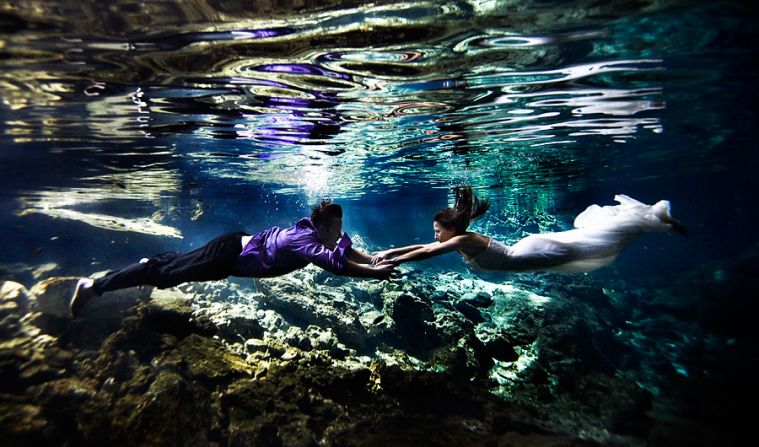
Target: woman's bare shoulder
{"points": [[476, 237], [470, 242]]}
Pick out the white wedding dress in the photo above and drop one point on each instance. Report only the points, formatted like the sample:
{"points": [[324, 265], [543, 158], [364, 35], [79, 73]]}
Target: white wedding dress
{"points": [[599, 236]]}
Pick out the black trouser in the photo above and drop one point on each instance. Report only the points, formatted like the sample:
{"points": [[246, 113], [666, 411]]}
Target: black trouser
{"points": [[213, 261]]}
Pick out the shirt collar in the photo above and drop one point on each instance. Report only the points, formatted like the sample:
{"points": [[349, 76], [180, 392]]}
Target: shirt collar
{"points": [[305, 223]]}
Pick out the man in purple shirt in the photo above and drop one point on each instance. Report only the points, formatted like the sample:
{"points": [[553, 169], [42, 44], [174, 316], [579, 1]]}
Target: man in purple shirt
{"points": [[271, 252]]}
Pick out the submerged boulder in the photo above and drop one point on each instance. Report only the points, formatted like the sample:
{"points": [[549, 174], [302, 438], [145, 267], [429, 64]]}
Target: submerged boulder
{"points": [[14, 303], [498, 344], [14, 298], [51, 297], [414, 328], [304, 304], [469, 311]]}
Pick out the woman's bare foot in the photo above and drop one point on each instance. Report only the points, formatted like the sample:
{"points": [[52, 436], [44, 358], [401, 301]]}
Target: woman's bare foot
{"points": [[677, 226]]}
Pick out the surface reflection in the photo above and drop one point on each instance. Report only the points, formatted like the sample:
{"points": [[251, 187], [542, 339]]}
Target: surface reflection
{"points": [[124, 190], [361, 96]]}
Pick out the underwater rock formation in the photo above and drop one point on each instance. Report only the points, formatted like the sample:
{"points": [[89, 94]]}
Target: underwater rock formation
{"points": [[305, 359]]}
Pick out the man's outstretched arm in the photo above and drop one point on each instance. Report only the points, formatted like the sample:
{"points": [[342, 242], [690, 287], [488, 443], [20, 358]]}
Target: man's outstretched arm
{"points": [[359, 256], [393, 252], [341, 260], [357, 270]]}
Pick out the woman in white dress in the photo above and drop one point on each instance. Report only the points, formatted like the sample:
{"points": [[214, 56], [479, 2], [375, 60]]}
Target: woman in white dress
{"points": [[599, 236]]}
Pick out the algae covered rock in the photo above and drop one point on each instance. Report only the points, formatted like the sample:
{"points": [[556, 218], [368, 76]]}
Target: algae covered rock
{"points": [[498, 344], [14, 303], [23, 423], [208, 359], [171, 412], [267, 346], [14, 298], [303, 302]]}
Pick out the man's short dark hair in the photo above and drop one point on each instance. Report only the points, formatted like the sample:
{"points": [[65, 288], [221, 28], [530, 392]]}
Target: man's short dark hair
{"points": [[325, 212]]}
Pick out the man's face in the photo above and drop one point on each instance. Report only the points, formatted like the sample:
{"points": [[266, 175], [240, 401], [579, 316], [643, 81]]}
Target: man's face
{"points": [[331, 231]]}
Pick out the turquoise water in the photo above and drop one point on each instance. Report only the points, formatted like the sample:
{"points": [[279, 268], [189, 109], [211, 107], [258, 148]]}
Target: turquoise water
{"points": [[131, 128]]}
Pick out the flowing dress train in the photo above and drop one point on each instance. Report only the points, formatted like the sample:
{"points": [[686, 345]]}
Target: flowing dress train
{"points": [[599, 236]]}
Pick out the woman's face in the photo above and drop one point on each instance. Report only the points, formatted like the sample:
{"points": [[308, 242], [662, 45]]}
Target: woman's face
{"points": [[442, 234]]}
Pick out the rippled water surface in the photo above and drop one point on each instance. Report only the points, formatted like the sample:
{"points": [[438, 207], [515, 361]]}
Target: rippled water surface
{"points": [[178, 119]]}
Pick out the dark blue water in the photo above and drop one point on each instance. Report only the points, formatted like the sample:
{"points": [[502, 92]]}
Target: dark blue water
{"points": [[128, 129]]}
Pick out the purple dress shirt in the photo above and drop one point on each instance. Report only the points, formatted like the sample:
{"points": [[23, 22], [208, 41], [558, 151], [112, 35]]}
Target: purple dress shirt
{"points": [[278, 251]]}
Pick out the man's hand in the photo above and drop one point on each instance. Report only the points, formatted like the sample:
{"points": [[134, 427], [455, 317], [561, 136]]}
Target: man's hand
{"points": [[388, 263], [379, 257], [384, 272], [357, 270]]}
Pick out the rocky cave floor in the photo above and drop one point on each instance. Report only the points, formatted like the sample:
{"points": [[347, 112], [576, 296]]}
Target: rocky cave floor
{"points": [[428, 359]]}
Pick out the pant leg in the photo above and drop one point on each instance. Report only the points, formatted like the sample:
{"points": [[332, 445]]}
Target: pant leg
{"points": [[213, 261]]}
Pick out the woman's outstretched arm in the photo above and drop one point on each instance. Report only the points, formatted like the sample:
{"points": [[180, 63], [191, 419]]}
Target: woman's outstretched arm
{"points": [[393, 252], [420, 252]]}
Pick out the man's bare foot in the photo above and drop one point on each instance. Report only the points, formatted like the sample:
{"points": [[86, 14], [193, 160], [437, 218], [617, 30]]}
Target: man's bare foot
{"points": [[83, 293]]}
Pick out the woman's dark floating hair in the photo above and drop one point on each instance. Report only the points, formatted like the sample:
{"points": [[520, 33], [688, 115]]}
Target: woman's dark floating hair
{"points": [[325, 212], [466, 209]]}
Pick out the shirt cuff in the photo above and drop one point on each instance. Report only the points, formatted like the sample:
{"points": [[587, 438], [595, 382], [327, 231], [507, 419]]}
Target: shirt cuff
{"points": [[344, 246]]}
